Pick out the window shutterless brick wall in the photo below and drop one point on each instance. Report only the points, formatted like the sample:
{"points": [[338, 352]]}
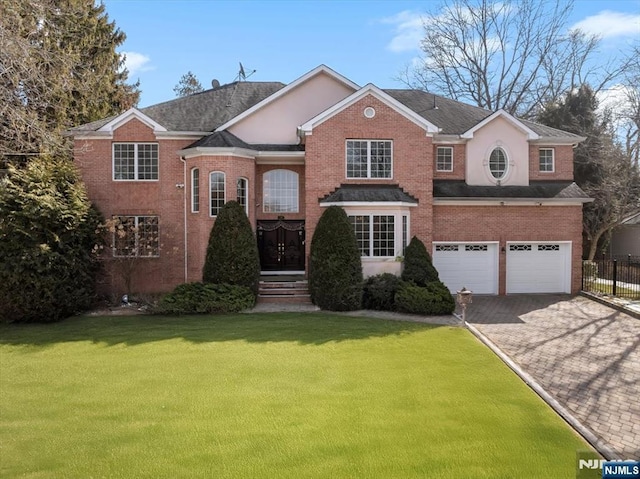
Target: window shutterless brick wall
{"points": [[563, 163], [459, 155], [412, 160], [512, 223]]}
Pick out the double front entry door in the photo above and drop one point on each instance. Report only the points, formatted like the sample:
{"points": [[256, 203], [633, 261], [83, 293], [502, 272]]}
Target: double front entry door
{"points": [[281, 245]]}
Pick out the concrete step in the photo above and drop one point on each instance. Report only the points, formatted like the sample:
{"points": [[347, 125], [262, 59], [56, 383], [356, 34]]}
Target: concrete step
{"points": [[288, 299], [284, 292]]}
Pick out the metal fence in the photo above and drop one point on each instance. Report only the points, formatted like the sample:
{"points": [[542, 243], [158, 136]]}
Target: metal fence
{"points": [[616, 276]]}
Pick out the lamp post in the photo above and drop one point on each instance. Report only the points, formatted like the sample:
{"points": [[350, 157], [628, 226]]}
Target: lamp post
{"points": [[464, 298]]}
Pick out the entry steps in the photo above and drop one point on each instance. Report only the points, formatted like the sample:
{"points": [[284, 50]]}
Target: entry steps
{"points": [[288, 291]]}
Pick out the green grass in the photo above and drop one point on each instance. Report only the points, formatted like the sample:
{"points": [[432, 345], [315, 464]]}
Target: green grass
{"points": [[268, 396]]}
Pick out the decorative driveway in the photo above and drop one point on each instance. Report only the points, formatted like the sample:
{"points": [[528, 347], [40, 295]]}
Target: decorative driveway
{"points": [[584, 354]]}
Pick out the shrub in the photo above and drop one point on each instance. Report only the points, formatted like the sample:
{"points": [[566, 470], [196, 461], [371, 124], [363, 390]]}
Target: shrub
{"points": [[418, 267], [335, 269], [380, 291], [49, 242], [201, 298], [434, 298], [232, 253]]}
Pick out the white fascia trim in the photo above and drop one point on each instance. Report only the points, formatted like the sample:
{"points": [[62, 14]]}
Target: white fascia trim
{"points": [[555, 141], [280, 154], [283, 91], [369, 89], [130, 114], [441, 140], [90, 135], [368, 204], [531, 135], [208, 151], [178, 135], [512, 202], [279, 160]]}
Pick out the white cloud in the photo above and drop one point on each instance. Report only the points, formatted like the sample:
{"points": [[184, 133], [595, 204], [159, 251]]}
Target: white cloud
{"points": [[408, 31], [608, 23], [136, 62]]}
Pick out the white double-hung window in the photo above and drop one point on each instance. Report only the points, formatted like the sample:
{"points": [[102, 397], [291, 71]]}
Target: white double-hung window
{"points": [[369, 158], [135, 161]]}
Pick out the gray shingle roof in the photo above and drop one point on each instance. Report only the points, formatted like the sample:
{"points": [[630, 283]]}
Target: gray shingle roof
{"points": [[455, 118], [227, 139], [535, 190], [204, 111], [353, 193]]}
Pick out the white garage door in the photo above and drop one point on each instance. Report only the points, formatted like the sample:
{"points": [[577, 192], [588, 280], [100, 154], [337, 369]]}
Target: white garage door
{"points": [[472, 265], [539, 267]]}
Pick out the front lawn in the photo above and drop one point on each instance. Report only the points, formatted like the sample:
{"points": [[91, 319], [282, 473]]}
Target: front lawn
{"points": [[268, 396]]}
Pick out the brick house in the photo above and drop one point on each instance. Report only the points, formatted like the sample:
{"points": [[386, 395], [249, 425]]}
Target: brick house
{"points": [[492, 196]]}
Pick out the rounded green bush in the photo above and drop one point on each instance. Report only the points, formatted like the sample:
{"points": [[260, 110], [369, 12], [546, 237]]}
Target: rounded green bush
{"points": [[380, 291], [206, 298], [432, 299], [335, 268]]}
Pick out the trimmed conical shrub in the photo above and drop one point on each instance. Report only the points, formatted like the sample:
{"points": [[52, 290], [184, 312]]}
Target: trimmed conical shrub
{"points": [[335, 268], [418, 267], [232, 253]]}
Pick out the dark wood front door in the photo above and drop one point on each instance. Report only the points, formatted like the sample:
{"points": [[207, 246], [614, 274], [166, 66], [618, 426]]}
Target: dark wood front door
{"points": [[281, 245]]}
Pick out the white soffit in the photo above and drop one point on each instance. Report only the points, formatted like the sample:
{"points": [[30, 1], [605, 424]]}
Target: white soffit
{"points": [[369, 89], [128, 115], [531, 135], [283, 91]]}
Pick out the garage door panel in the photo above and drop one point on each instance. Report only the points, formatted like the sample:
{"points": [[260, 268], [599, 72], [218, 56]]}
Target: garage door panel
{"points": [[473, 266], [538, 268]]}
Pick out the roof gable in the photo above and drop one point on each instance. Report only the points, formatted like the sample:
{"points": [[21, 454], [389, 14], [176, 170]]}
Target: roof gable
{"points": [[369, 89], [531, 135], [322, 69], [129, 115]]}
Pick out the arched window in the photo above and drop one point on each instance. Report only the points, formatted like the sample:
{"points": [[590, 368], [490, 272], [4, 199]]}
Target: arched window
{"points": [[195, 190], [280, 191], [243, 194], [498, 163], [216, 184]]}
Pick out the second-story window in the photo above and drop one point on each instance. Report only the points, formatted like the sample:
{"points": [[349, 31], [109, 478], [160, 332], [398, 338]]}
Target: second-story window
{"points": [[498, 163], [216, 189], [444, 158], [195, 190], [546, 160], [135, 161], [369, 159]]}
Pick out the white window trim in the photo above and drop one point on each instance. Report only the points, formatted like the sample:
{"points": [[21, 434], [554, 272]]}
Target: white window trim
{"points": [[450, 148], [136, 220], [553, 160], [246, 183], [397, 213], [224, 190], [264, 203], [193, 197], [368, 177], [135, 159]]}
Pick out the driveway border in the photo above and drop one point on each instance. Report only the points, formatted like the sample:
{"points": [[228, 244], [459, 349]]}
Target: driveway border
{"points": [[580, 428]]}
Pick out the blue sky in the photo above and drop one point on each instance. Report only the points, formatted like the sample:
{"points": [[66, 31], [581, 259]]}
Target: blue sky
{"points": [[366, 41]]}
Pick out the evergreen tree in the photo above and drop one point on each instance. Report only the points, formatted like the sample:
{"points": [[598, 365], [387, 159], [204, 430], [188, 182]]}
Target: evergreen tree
{"points": [[335, 267], [59, 69], [188, 85], [232, 253], [49, 242], [418, 267]]}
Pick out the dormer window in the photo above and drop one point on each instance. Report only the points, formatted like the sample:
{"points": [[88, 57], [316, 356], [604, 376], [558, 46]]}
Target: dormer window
{"points": [[498, 163]]}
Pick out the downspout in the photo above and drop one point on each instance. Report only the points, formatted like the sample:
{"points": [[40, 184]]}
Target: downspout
{"points": [[184, 197]]}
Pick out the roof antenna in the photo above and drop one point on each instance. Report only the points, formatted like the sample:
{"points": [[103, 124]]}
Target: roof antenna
{"points": [[242, 75]]}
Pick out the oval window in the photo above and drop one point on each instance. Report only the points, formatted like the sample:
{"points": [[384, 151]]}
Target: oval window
{"points": [[498, 163]]}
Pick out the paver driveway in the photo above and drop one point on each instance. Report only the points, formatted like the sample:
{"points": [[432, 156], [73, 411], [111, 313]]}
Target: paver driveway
{"points": [[583, 353]]}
